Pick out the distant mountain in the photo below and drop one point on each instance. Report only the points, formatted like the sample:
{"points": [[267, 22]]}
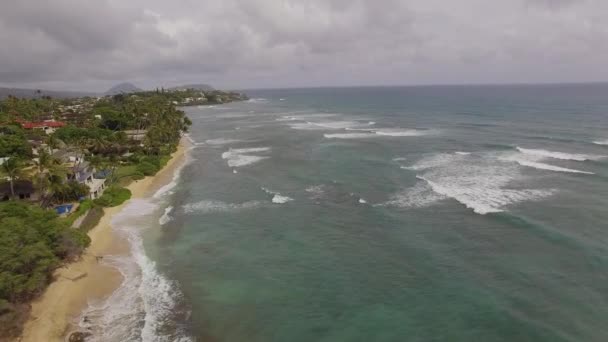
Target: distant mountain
{"points": [[203, 87], [123, 88], [34, 93]]}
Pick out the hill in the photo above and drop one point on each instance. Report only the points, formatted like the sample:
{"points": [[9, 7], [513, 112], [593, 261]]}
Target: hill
{"points": [[123, 88], [36, 93]]}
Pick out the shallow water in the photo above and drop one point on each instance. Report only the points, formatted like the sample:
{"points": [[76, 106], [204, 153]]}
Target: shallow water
{"points": [[389, 214]]}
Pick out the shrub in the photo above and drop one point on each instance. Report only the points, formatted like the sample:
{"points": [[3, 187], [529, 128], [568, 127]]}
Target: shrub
{"points": [[147, 168], [33, 243], [113, 196], [137, 176]]}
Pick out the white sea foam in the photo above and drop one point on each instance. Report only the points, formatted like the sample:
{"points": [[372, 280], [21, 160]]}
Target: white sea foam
{"points": [[398, 159], [462, 153], [277, 198], [432, 161], [559, 155], [222, 141], [327, 125], [362, 201], [601, 142], [533, 161], [420, 195], [209, 206], [242, 156], [143, 306], [167, 189], [316, 191], [258, 100], [479, 182], [374, 133], [165, 218], [350, 135], [403, 132]]}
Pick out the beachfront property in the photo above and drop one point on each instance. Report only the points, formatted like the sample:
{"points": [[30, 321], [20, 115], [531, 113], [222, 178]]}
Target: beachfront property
{"points": [[81, 171], [24, 190]]}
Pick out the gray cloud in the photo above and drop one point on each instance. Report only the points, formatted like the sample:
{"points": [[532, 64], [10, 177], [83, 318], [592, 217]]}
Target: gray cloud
{"points": [[90, 45]]}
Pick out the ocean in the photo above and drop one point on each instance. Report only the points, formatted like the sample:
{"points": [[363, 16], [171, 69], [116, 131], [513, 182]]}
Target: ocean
{"points": [[438, 213]]}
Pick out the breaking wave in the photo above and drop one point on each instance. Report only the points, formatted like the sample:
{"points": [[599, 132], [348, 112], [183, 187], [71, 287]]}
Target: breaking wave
{"points": [[533, 161], [165, 218], [277, 198], [147, 305], [374, 133], [221, 141], [481, 183], [421, 195], [601, 142], [209, 206], [558, 155], [242, 156]]}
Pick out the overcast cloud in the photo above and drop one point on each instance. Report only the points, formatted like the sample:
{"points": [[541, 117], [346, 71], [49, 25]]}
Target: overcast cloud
{"points": [[91, 45]]}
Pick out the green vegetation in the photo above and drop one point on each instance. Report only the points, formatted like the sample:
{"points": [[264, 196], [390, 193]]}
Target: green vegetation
{"points": [[113, 196], [121, 138], [34, 243]]}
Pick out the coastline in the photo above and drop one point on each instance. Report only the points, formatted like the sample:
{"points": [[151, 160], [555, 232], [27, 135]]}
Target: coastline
{"points": [[76, 284]]}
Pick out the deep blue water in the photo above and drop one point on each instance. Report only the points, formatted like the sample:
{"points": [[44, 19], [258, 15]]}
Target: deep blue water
{"points": [[394, 214]]}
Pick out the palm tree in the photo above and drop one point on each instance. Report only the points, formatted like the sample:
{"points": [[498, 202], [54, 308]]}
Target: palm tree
{"points": [[46, 167], [12, 169]]}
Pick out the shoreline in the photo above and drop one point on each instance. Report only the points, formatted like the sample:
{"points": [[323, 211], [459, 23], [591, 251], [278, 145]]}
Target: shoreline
{"points": [[53, 314]]}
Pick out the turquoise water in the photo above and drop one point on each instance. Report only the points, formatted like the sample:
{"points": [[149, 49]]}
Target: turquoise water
{"points": [[393, 214]]}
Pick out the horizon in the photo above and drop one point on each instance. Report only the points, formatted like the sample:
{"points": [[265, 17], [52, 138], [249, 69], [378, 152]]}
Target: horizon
{"points": [[531, 84], [265, 44]]}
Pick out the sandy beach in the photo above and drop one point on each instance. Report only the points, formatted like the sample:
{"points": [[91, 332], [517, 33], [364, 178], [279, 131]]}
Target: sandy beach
{"points": [[53, 314]]}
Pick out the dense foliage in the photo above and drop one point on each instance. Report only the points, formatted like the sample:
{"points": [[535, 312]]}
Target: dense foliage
{"points": [[113, 196], [13, 142], [123, 138], [12, 108], [33, 242]]}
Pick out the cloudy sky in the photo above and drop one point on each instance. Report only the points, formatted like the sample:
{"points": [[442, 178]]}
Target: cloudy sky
{"points": [[93, 44]]}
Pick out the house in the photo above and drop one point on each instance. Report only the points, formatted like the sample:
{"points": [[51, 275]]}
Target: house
{"points": [[48, 126], [24, 189], [81, 171]]}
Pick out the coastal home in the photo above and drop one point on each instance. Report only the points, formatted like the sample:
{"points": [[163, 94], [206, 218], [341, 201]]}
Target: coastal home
{"points": [[48, 126], [81, 171], [24, 190]]}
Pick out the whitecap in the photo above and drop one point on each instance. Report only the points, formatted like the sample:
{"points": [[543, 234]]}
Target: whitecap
{"points": [[601, 142], [165, 218], [374, 133], [558, 155], [479, 182], [436, 160], [350, 135], [398, 159], [210, 206], [420, 195], [402, 132], [462, 153], [242, 156], [277, 198], [533, 162], [221, 141], [362, 201]]}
